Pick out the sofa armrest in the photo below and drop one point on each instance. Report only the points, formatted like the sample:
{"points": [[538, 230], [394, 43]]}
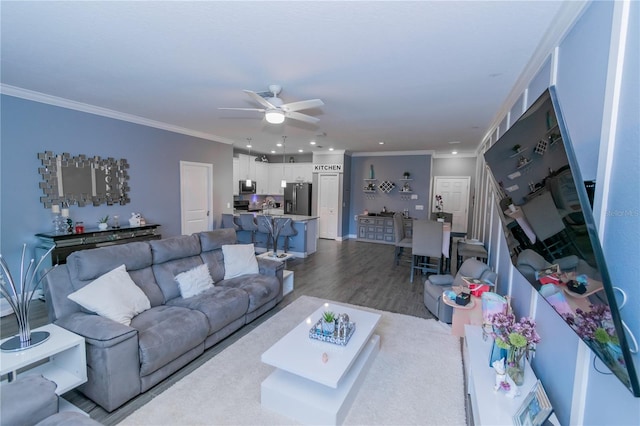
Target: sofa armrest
{"points": [[441, 280], [96, 330], [269, 266]]}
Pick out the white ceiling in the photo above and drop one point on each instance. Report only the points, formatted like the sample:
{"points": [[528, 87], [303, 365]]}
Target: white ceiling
{"points": [[416, 75]]}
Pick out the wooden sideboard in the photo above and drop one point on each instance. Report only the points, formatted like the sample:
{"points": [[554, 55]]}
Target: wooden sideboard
{"points": [[380, 229], [65, 244]]}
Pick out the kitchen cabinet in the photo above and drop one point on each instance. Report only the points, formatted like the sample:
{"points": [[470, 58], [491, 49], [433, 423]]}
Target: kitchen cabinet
{"points": [[262, 178], [275, 177], [301, 172]]}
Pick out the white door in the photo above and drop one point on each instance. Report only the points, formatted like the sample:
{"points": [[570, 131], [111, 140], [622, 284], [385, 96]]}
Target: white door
{"points": [[196, 197], [455, 199], [328, 202]]}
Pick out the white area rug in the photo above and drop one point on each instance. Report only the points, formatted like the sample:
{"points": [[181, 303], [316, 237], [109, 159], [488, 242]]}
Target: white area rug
{"points": [[416, 379]]}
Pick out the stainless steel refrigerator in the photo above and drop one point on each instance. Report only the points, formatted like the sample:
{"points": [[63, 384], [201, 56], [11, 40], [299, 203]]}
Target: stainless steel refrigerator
{"points": [[297, 199]]}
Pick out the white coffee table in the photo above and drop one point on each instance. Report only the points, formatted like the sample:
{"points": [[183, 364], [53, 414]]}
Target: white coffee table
{"points": [[305, 388]]}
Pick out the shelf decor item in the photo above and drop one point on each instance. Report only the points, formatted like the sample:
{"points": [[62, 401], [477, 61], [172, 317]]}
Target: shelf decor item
{"points": [[518, 338], [535, 409], [29, 282], [103, 223], [341, 333]]}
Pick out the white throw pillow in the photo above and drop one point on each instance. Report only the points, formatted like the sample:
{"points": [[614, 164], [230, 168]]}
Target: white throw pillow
{"points": [[239, 259], [114, 295], [194, 281]]}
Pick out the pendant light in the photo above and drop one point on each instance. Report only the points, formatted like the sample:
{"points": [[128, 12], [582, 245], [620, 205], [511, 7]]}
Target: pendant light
{"points": [[248, 181], [283, 182]]}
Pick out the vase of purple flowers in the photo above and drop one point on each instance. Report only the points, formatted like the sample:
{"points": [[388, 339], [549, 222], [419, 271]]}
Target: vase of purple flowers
{"points": [[518, 338]]}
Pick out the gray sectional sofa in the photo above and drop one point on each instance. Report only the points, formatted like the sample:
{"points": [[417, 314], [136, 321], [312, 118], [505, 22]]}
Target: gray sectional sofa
{"points": [[124, 361]]}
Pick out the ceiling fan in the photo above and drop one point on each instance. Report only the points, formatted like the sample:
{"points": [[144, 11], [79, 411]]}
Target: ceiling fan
{"points": [[276, 111]]}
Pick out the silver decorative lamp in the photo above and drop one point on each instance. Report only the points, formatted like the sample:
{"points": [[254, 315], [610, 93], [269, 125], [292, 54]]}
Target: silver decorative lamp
{"points": [[20, 302]]}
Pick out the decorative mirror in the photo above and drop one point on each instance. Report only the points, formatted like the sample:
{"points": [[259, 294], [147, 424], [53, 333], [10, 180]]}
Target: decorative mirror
{"points": [[548, 210], [82, 180]]}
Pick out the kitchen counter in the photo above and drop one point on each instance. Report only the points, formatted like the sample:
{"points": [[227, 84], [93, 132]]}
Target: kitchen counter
{"points": [[293, 217], [303, 244]]}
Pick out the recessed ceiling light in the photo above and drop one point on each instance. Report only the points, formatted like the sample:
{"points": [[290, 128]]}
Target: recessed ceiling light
{"points": [[279, 144], [454, 152], [300, 150], [273, 151], [330, 149], [312, 143], [248, 146], [381, 143]]}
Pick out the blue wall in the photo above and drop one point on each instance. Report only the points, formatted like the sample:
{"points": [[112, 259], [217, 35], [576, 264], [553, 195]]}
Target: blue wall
{"points": [[582, 73], [389, 168], [154, 156]]}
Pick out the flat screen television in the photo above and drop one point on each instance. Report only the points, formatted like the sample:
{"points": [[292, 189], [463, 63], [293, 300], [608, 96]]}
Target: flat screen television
{"points": [[547, 213]]}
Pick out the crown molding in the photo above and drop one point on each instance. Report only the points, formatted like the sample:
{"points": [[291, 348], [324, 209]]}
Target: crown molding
{"points": [[31, 95], [391, 153], [458, 155]]}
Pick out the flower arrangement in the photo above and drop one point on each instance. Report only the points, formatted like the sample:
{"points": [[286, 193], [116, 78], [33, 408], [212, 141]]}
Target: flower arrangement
{"points": [[596, 325], [439, 205], [518, 338]]}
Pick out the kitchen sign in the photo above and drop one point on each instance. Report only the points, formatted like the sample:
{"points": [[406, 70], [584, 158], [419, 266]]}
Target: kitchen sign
{"points": [[323, 168]]}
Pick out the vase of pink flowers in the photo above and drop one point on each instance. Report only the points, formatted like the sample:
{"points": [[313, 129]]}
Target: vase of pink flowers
{"points": [[518, 338]]}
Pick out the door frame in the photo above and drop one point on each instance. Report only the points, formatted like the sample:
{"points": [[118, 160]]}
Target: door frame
{"points": [[209, 167]]}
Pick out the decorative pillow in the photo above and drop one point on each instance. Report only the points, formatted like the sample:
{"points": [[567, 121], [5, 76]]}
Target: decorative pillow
{"points": [[114, 295], [194, 281], [239, 259]]}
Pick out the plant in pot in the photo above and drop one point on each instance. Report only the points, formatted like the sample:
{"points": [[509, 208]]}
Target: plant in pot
{"points": [[328, 322], [103, 222], [406, 175], [516, 148], [440, 208]]}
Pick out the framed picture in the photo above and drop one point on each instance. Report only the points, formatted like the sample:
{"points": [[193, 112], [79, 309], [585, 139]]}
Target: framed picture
{"points": [[535, 409]]}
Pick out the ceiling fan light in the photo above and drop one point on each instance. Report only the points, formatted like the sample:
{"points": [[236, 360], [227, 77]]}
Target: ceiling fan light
{"points": [[274, 116]]}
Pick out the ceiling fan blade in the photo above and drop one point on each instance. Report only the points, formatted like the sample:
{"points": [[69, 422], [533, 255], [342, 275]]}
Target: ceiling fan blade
{"points": [[300, 105], [301, 117], [259, 99], [245, 109]]}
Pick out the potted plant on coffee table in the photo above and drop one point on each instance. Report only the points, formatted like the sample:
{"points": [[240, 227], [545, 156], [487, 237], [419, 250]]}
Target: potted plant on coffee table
{"points": [[328, 322]]}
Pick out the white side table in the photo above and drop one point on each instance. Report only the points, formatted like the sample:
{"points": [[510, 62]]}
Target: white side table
{"points": [[64, 355], [287, 275]]}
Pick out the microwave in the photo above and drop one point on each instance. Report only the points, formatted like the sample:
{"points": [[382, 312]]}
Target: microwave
{"points": [[247, 189]]}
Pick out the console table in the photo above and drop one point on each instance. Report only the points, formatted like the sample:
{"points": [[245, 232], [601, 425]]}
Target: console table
{"points": [[490, 407], [65, 244]]}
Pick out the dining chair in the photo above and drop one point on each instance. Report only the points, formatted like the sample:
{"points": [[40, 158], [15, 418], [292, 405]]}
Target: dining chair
{"points": [[248, 223], [426, 248], [543, 217], [401, 241]]}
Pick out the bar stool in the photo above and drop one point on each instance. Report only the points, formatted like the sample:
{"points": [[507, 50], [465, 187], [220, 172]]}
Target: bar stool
{"points": [[287, 231], [229, 221], [264, 227], [248, 223]]}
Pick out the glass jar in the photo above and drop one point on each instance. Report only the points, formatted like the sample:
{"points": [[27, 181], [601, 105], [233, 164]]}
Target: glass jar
{"points": [[79, 228]]}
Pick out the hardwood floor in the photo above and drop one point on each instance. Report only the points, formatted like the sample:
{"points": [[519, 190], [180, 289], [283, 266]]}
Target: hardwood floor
{"points": [[352, 272]]}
